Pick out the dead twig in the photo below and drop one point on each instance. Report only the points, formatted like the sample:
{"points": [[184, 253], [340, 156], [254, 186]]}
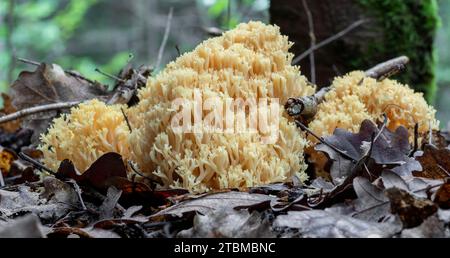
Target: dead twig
{"points": [[77, 189], [307, 106], [164, 41], [213, 31], [109, 75], [328, 40], [126, 120], [27, 61], [380, 131], [35, 163], [388, 68], [128, 86], [322, 140], [312, 60], [72, 73], [37, 109]]}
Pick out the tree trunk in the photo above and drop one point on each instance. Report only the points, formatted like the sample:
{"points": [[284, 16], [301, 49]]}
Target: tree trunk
{"points": [[393, 28]]}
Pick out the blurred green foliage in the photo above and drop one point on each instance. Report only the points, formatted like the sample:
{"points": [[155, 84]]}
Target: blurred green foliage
{"points": [[51, 30], [86, 34]]}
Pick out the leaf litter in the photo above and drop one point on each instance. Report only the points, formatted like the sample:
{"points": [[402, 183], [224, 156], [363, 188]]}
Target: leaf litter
{"points": [[380, 185]]}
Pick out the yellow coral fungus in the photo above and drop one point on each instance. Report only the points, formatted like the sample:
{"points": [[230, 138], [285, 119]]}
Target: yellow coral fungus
{"points": [[251, 62], [87, 132], [355, 97]]}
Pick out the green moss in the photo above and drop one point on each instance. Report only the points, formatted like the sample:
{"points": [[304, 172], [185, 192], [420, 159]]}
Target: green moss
{"points": [[409, 27]]}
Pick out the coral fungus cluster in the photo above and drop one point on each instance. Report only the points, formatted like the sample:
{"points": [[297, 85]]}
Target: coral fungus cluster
{"points": [[249, 62], [355, 97], [90, 130]]}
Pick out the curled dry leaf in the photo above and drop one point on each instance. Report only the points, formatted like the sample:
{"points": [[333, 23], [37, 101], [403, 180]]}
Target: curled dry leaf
{"points": [[210, 203], [49, 83], [319, 223], [125, 228], [442, 197], [6, 159], [431, 227], [28, 226], [435, 162], [12, 126], [389, 148], [100, 174], [27, 200], [371, 204], [229, 223], [412, 211], [108, 206]]}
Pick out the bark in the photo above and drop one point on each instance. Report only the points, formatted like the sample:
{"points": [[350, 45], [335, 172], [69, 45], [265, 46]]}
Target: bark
{"points": [[394, 28]]}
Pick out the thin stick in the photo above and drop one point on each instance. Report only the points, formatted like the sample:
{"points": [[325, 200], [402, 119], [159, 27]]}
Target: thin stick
{"points": [[416, 139], [328, 40], [10, 24], [213, 31], [430, 134], [342, 153], [164, 41], [307, 106], [126, 120], [35, 163], [74, 74], [77, 189], [27, 61], [178, 50], [137, 172], [37, 109], [388, 68], [109, 75], [385, 120], [312, 60]]}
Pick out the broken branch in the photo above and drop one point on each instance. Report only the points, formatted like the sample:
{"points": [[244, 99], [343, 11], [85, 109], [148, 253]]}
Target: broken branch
{"points": [[328, 40], [307, 106], [164, 41], [312, 60], [37, 109]]}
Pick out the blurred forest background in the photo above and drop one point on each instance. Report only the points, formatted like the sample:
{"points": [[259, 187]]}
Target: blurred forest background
{"points": [[83, 35]]}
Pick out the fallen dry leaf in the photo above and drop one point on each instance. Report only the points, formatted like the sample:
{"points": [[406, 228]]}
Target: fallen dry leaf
{"points": [[412, 211], [211, 203], [371, 204], [432, 227], [229, 223], [8, 108], [6, 159], [100, 174], [319, 223], [28, 226], [435, 163], [442, 197], [49, 83], [390, 148]]}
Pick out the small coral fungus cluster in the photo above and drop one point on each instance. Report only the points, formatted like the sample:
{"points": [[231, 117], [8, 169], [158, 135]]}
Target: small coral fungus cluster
{"points": [[250, 63], [89, 131], [355, 97]]}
